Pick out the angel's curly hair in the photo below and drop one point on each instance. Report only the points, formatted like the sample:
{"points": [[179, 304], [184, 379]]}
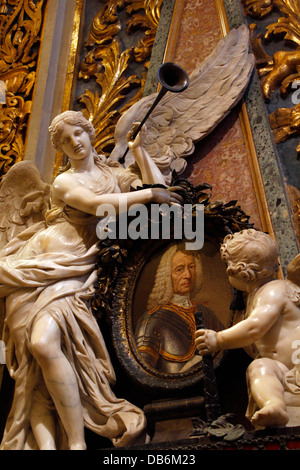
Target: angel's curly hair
{"points": [[74, 118], [250, 255], [162, 290]]}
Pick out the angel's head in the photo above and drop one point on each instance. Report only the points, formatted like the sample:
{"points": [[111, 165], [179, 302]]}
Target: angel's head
{"points": [[250, 256], [73, 118]]}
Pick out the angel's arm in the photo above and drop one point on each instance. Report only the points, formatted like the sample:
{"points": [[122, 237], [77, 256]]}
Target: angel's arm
{"points": [[262, 317], [67, 191], [149, 171]]}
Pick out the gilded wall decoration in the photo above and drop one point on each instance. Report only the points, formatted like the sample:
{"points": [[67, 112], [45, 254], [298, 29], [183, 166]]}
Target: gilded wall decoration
{"points": [[108, 63], [20, 35], [277, 50], [282, 68]]}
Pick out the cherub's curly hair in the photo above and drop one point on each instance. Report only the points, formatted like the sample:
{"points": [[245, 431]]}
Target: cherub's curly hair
{"points": [[74, 118], [162, 291], [250, 255]]}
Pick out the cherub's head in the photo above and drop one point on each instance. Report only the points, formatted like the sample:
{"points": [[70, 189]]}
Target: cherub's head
{"points": [[250, 256], [74, 118]]}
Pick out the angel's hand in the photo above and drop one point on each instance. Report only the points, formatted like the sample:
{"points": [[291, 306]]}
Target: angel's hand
{"points": [[167, 195], [206, 341], [138, 141]]}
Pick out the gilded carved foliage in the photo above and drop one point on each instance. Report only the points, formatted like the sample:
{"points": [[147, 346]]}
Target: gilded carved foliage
{"points": [[283, 68], [109, 64], [20, 29], [258, 8]]}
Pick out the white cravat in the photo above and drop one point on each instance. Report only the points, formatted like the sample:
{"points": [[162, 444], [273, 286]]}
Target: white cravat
{"points": [[182, 300]]}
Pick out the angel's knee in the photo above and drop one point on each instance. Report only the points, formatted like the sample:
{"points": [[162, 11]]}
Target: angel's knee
{"points": [[45, 340]]}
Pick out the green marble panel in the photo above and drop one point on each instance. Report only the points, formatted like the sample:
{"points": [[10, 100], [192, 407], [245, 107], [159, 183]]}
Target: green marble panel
{"points": [[268, 155]]}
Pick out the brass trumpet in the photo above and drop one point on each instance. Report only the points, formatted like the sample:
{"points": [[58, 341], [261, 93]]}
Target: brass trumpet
{"points": [[172, 78]]}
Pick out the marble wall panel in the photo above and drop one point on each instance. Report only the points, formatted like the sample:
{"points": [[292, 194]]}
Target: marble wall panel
{"points": [[221, 159]]}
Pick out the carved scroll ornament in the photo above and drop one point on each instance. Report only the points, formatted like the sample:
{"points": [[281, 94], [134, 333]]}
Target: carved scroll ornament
{"points": [[20, 29], [283, 68], [105, 62]]}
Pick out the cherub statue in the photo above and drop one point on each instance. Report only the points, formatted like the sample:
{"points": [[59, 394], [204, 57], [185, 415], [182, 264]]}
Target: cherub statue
{"points": [[55, 351], [271, 323]]}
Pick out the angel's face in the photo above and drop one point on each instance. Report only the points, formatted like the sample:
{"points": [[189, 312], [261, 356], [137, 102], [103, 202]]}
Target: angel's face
{"points": [[75, 142]]}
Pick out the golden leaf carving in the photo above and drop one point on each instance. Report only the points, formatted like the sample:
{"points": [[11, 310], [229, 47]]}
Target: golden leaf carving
{"points": [[102, 110], [105, 24], [289, 23], [258, 8], [285, 123], [283, 68], [110, 67], [151, 8], [20, 26], [149, 21]]}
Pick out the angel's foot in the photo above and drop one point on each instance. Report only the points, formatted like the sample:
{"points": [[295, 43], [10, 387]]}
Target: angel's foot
{"points": [[272, 415]]}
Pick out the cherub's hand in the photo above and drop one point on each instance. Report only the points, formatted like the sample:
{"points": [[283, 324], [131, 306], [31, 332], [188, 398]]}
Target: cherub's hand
{"points": [[206, 341], [139, 139]]}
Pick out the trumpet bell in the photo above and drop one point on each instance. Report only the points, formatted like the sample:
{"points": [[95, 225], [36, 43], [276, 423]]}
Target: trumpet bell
{"points": [[172, 77]]}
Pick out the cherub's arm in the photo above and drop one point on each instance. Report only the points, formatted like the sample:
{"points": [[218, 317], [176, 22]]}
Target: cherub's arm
{"points": [[268, 307], [149, 171]]}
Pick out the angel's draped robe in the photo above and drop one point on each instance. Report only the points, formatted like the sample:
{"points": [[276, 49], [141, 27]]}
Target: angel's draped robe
{"points": [[52, 270]]}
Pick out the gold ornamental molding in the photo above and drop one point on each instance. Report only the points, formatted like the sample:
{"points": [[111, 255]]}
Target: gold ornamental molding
{"points": [[282, 70], [20, 36], [107, 66]]}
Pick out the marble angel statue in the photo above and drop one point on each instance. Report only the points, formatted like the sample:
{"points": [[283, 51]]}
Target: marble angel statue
{"points": [[55, 352], [271, 327]]}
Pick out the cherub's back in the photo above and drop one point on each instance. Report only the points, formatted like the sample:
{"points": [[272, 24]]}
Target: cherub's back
{"points": [[283, 338]]}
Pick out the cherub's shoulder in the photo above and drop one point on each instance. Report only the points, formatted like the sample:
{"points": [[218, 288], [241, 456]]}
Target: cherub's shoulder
{"points": [[275, 285], [281, 288], [270, 291]]}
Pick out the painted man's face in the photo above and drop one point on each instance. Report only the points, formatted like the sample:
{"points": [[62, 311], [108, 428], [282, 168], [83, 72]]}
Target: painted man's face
{"points": [[183, 273]]}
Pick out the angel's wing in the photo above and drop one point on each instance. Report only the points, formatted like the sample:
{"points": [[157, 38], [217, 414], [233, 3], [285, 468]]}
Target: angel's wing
{"points": [[293, 278], [24, 198], [182, 119], [293, 270]]}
